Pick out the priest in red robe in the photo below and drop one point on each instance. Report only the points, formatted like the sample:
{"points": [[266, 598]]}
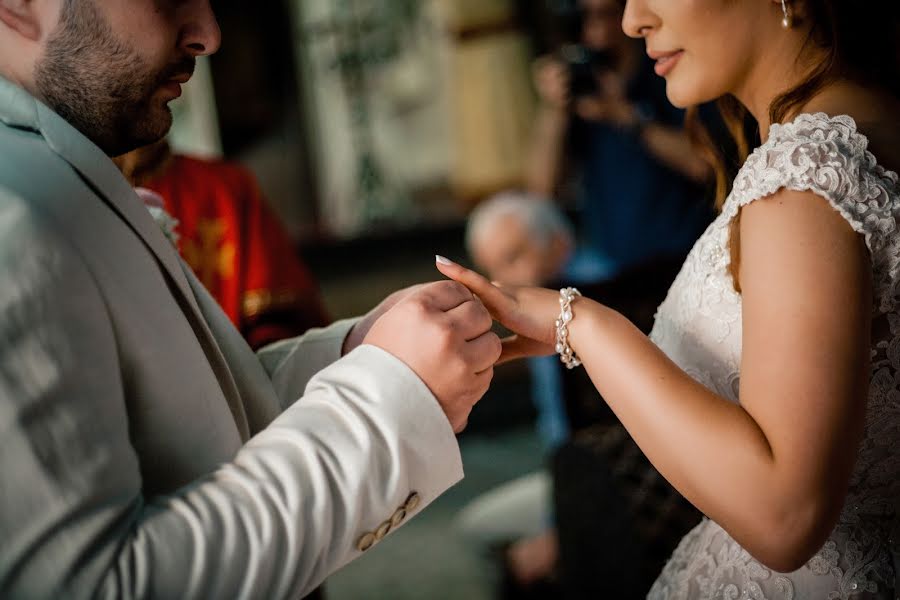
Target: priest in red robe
{"points": [[233, 242]]}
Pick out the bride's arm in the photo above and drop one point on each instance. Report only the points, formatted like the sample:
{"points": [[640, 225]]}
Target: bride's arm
{"points": [[773, 470]]}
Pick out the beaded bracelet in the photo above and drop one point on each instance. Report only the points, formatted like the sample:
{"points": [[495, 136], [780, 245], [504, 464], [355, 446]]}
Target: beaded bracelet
{"points": [[566, 354]]}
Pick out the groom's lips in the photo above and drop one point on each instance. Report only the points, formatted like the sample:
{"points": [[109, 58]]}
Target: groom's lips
{"points": [[172, 87], [176, 75]]}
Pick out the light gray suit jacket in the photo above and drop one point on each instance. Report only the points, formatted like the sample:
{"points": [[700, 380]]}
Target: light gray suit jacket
{"points": [[145, 451]]}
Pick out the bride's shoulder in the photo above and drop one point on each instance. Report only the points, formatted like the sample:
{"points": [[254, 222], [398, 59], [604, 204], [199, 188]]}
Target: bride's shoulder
{"points": [[825, 154], [821, 135], [853, 126]]}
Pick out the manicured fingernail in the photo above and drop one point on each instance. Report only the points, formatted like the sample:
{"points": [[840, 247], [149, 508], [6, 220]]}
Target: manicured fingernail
{"points": [[443, 261]]}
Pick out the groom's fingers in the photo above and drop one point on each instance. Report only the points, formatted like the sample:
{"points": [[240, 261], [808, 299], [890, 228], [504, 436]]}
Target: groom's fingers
{"points": [[484, 351], [471, 319], [495, 300], [445, 295]]}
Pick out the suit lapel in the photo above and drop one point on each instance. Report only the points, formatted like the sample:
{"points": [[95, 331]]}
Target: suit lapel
{"points": [[19, 109], [102, 175], [218, 362]]}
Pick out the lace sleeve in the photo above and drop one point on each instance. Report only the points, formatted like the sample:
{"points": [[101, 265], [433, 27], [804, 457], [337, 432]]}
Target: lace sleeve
{"points": [[827, 156]]}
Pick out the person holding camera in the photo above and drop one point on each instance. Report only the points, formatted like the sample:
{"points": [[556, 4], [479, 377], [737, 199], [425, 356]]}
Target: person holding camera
{"points": [[607, 134], [604, 121]]}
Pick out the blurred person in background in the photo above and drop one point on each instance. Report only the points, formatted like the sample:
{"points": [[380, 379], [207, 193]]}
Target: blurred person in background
{"points": [[153, 454], [607, 136], [604, 123], [232, 241], [543, 525], [519, 239]]}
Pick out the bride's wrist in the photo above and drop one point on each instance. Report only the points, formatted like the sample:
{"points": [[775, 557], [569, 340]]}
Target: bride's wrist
{"points": [[588, 320]]}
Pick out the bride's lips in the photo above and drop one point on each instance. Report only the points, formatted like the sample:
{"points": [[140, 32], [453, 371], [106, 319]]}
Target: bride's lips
{"points": [[665, 61]]}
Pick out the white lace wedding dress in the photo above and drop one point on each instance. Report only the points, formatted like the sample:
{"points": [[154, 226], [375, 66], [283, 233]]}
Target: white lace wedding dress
{"points": [[699, 327]]}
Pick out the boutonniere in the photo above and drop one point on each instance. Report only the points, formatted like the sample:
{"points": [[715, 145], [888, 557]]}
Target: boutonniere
{"points": [[157, 207]]}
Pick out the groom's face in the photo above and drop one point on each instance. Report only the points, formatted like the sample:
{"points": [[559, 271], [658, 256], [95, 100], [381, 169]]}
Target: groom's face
{"points": [[111, 67]]}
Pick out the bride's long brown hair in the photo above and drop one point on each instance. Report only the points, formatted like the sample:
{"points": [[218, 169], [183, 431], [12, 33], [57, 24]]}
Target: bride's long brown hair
{"points": [[860, 43]]}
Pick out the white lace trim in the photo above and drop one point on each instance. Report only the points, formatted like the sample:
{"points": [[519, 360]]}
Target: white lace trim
{"points": [[829, 157]]}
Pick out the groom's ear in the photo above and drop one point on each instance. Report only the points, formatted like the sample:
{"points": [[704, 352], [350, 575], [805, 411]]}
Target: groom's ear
{"points": [[22, 17]]}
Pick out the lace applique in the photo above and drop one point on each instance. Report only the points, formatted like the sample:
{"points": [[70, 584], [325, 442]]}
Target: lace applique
{"points": [[699, 327], [829, 157], [708, 565]]}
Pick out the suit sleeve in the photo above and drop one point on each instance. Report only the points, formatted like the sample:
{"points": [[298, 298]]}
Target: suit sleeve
{"points": [[292, 363], [365, 449]]}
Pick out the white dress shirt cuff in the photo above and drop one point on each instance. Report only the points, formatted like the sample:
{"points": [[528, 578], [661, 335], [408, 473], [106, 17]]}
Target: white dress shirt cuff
{"points": [[398, 398]]}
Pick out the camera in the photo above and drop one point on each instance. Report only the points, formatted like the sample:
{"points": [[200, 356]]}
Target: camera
{"points": [[584, 64]]}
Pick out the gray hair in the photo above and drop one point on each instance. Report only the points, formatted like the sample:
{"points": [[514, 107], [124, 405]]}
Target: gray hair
{"points": [[541, 217]]}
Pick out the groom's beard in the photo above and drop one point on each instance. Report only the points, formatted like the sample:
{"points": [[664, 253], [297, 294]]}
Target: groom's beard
{"points": [[101, 85]]}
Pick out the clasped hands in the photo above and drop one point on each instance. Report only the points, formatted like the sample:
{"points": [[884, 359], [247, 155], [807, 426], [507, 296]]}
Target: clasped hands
{"points": [[442, 331]]}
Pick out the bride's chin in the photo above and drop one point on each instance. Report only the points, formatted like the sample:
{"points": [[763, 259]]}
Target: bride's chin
{"points": [[684, 94], [681, 98]]}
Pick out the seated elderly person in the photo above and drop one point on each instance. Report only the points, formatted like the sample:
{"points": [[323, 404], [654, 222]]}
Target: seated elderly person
{"points": [[548, 521], [519, 239]]}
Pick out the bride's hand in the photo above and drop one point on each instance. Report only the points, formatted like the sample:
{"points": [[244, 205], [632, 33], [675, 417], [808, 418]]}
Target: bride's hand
{"points": [[528, 312]]}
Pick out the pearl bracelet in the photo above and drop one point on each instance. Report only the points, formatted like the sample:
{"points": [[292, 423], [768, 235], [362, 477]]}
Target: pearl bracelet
{"points": [[566, 354]]}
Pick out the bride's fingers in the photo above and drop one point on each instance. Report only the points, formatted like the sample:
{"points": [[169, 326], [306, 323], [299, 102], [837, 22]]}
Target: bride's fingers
{"points": [[517, 347], [496, 301]]}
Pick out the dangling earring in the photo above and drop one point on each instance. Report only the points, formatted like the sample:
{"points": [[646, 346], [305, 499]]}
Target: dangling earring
{"points": [[788, 21]]}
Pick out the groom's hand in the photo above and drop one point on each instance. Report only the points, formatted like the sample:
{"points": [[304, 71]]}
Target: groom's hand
{"points": [[443, 333], [359, 331]]}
